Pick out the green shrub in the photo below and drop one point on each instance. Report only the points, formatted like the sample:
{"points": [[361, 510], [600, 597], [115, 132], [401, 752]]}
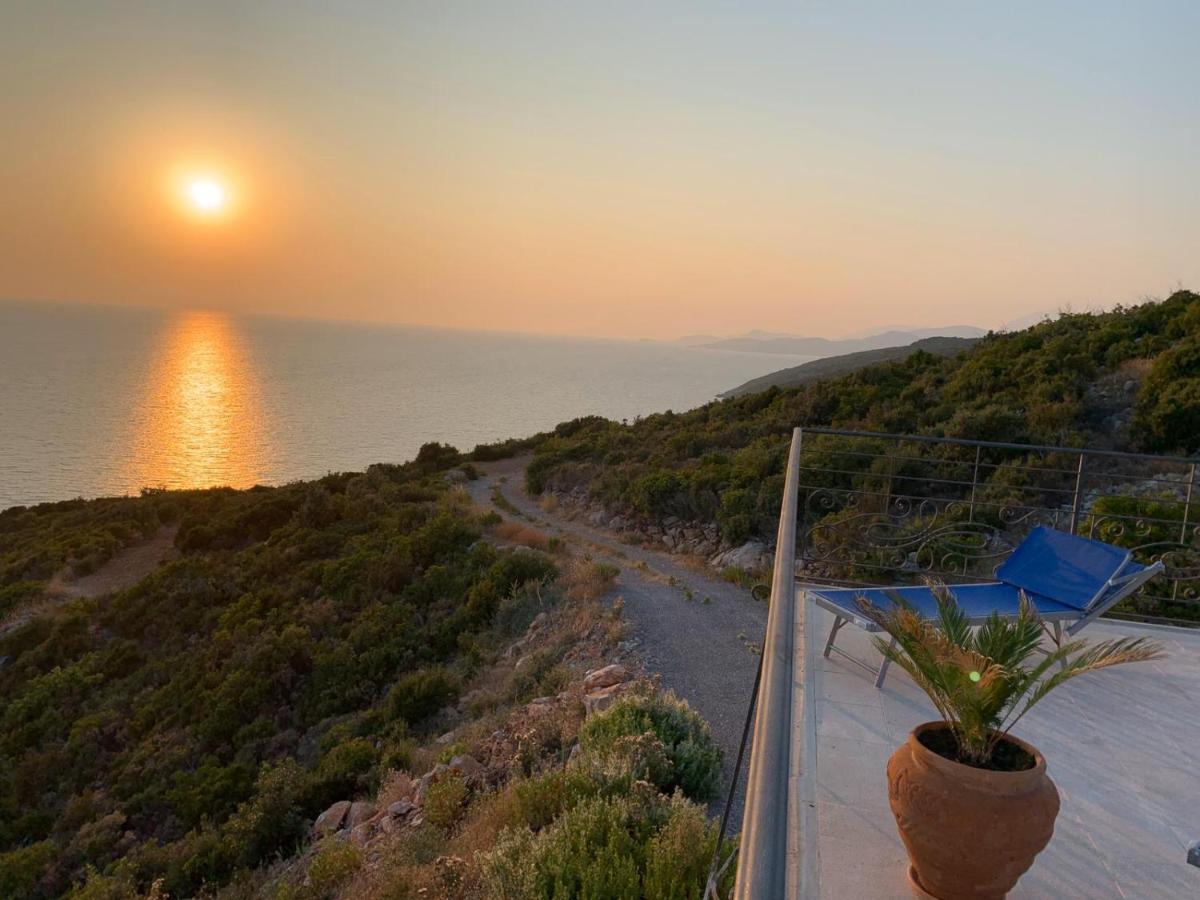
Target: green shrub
{"points": [[1167, 413], [420, 694], [446, 801], [633, 844], [679, 856], [695, 759], [347, 770], [538, 801], [21, 870], [331, 866]]}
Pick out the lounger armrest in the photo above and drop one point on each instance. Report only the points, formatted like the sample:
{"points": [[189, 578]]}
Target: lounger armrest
{"points": [[1118, 589]]}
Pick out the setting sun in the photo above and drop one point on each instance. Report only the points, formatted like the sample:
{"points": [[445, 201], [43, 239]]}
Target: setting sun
{"points": [[207, 195], [204, 193]]}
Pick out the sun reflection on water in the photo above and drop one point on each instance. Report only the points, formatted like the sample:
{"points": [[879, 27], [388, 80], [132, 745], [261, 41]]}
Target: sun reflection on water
{"points": [[200, 420]]}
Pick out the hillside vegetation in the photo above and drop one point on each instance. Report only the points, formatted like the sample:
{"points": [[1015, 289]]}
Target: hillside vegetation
{"points": [[307, 648]]}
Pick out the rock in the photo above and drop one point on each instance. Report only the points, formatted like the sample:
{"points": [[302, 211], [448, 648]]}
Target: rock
{"points": [[668, 541], [543, 701], [627, 646], [516, 649], [331, 820], [456, 476], [522, 663], [467, 767], [605, 677], [445, 739], [750, 556], [389, 824], [598, 701], [538, 622], [400, 808], [360, 811], [361, 834]]}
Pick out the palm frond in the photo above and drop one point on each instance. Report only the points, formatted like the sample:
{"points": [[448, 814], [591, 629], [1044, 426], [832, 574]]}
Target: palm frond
{"points": [[978, 678]]}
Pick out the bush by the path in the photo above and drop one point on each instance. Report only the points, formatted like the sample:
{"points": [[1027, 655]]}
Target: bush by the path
{"points": [[635, 844], [691, 760]]}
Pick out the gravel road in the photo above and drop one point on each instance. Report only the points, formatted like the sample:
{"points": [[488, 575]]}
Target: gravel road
{"points": [[704, 644]]}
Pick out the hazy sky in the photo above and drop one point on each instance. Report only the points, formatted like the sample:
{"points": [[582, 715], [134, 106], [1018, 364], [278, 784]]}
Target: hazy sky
{"points": [[637, 169]]}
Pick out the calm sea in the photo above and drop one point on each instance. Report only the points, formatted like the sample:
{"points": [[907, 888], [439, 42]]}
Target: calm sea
{"points": [[101, 401]]}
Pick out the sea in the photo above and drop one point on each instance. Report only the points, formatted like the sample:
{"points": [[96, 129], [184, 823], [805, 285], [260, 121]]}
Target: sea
{"points": [[101, 401]]}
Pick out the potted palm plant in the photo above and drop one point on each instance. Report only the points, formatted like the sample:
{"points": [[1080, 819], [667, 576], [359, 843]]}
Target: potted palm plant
{"points": [[974, 804]]}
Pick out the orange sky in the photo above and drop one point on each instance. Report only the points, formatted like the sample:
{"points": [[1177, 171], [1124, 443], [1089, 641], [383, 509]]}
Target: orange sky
{"points": [[609, 171]]}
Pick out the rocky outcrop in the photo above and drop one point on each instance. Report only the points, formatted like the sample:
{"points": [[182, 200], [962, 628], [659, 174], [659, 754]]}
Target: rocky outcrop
{"points": [[751, 556], [360, 811], [602, 687], [331, 820], [605, 677], [602, 699]]}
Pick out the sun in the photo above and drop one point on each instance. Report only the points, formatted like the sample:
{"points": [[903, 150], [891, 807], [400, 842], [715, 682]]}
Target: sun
{"points": [[207, 195], [204, 193]]}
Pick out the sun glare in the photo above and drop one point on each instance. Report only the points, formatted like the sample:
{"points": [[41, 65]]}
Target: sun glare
{"points": [[204, 194], [207, 195]]}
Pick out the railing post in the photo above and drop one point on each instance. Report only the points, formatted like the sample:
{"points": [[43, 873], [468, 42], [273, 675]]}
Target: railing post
{"points": [[1187, 504], [1078, 492], [974, 484], [766, 867]]}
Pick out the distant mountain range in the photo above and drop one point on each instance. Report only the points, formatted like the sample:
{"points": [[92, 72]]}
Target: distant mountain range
{"points": [[800, 345], [833, 366]]}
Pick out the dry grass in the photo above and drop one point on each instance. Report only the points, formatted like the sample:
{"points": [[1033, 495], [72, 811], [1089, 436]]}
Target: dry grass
{"points": [[549, 503], [525, 535], [587, 580], [1137, 368]]}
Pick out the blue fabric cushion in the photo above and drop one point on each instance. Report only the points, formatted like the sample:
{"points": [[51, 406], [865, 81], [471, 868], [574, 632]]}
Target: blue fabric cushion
{"points": [[1064, 567]]}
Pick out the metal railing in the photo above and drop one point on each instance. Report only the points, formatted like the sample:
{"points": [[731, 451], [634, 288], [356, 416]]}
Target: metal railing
{"points": [[885, 508], [769, 820]]}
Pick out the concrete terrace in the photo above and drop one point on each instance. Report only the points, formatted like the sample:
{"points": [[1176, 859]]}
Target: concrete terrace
{"points": [[1121, 745]]}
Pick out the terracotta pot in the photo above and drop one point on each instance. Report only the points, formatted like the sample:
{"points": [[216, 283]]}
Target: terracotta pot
{"points": [[970, 833]]}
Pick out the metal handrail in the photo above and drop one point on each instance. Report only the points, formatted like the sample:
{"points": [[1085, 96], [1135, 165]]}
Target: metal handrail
{"points": [[767, 862], [1000, 445]]}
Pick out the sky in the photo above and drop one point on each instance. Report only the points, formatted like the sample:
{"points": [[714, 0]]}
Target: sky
{"points": [[609, 169]]}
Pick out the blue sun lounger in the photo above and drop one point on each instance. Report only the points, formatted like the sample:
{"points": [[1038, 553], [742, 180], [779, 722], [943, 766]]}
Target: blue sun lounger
{"points": [[1071, 581]]}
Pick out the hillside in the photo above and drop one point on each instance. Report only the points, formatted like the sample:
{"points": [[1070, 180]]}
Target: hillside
{"points": [[361, 686], [834, 366]]}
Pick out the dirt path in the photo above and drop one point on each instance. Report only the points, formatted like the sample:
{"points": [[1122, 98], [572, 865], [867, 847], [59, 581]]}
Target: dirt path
{"points": [[125, 569], [700, 634]]}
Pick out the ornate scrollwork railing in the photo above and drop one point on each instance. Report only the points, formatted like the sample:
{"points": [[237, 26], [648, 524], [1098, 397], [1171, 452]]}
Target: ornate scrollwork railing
{"points": [[880, 508]]}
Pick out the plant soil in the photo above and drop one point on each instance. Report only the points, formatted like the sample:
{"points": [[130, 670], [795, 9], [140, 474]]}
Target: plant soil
{"points": [[1007, 756]]}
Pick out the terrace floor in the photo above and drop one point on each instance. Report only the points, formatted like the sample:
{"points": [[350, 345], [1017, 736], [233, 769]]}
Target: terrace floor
{"points": [[1122, 746]]}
